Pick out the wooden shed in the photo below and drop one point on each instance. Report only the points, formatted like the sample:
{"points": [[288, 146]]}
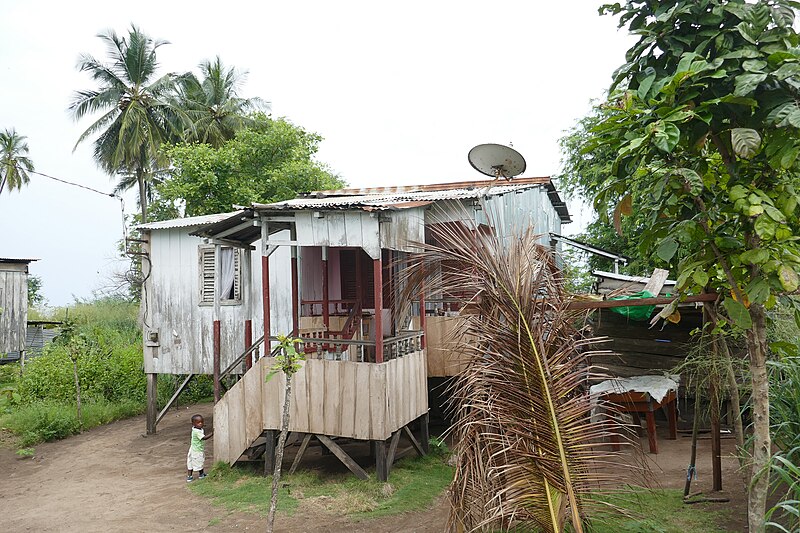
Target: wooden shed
{"points": [[638, 348], [325, 269], [13, 304]]}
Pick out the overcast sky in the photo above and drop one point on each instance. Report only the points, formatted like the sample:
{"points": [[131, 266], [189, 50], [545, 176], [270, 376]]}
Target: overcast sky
{"points": [[400, 92]]}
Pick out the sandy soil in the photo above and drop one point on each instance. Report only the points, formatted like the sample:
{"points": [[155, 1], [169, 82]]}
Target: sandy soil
{"points": [[114, 478]]}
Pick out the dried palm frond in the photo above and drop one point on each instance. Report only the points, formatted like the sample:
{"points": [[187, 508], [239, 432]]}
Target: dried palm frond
{"points": [[524, 443]]}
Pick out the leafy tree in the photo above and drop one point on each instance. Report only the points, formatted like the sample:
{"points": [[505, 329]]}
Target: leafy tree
{"points": [[703, 120], [35, 296], [139, 114], [14, 161], [213, 105], [271, 160]]}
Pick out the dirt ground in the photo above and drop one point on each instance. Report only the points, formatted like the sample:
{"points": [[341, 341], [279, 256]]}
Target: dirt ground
{"points": [[114, 478]]}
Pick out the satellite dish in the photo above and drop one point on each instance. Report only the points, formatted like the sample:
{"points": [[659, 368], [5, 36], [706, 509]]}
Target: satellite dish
{"points": [[497, 161]]}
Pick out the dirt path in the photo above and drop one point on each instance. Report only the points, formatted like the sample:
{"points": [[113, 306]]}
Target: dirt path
{"points": [[114, 478]]}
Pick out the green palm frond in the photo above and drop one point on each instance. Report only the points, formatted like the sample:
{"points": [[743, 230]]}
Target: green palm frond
{"points": [[14, 161], [526, 448]]}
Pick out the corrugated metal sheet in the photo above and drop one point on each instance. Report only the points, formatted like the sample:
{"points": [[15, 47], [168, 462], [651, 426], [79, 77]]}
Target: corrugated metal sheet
{"points": [[16, 260], [188, 221], [394, 189], [393, 200]]}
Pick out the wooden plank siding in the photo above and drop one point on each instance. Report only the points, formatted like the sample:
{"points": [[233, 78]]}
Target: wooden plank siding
{"points": [[639, 349], [13, 307], [444, 359], [365, 401]]}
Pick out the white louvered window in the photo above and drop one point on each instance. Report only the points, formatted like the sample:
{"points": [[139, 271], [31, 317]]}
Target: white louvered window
{"points": [[229, 276]]}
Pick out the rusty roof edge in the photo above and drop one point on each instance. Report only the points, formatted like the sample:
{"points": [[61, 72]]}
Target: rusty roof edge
{"points": [[431, 187]]}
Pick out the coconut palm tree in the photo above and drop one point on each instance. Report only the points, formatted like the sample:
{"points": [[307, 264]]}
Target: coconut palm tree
{"points": [[213, 105], [138, 111], [14, 161]]}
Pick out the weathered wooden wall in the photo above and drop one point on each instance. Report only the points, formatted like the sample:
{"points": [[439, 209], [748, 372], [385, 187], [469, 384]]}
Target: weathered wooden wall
{"points": [[442, 335], [171, 305], [366, 401], [640, 349], [13, 306]]}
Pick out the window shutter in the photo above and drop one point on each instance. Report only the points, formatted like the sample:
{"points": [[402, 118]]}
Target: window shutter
{"points": [[237, 274], [207, 275]]}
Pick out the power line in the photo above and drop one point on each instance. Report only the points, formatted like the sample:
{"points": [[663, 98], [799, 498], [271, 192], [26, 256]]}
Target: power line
{"points": [[111, 194]]}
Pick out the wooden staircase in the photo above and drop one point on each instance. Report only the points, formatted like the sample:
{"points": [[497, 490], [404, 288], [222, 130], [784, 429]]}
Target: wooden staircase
{"points": [[364, 401]]}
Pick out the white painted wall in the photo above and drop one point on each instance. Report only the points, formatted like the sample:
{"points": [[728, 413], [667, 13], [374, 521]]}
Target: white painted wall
{"points": [[170, 305]]}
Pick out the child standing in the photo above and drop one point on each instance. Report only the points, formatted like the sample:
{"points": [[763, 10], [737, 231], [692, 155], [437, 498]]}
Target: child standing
{"points": [[196, 456]]}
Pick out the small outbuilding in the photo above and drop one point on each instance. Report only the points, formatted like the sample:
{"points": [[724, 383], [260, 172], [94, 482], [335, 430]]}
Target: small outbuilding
{"points": [[13, 304]]}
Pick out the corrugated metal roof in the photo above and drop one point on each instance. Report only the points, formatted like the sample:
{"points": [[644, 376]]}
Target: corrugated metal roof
{"points": [[16, 260], [396, 200], [186, 222], [429, 187]]}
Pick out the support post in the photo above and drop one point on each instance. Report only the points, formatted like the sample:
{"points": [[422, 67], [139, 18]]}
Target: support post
{"points": [[265, 285], [216, 329], [248, 342], [269, 451], [247, 296], [716, 444], [377, 269], [295, 287], [152, 402], [326, 319], [424, 433], [381, 463], [422, 319], [217, 351]]}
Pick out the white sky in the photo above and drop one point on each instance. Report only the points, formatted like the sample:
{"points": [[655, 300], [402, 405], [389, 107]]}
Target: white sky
{"points": [[399, 91]]}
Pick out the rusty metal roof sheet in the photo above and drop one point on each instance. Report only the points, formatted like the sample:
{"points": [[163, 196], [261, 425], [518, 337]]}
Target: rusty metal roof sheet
{"points": [[402, 199], [186, 222], [430, 187]]}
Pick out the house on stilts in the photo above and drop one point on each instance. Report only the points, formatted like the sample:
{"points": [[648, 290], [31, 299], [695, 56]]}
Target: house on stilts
{"points": [[323, 267]]}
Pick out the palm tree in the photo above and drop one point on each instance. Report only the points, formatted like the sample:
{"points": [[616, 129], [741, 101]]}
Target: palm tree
{"points": [[212, 104], [138, 113], [14, 161]]}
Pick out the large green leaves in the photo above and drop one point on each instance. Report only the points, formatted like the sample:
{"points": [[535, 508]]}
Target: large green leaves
{"points": [[738, 313], [745, 141]]}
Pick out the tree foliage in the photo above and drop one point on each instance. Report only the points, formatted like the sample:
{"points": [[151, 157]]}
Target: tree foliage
{"points": [[702, 124], [137, 110], [14, 161], [213, 105], [271, 160]]}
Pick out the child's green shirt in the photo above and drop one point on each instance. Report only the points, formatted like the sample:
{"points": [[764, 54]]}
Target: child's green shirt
{"points": [[198, 444]]}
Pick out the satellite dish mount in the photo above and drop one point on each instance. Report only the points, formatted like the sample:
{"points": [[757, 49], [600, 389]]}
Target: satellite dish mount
{"points": [[497, 160]]}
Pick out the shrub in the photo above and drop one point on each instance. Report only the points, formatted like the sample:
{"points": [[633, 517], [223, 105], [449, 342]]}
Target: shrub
{"points": [[49, 420]]}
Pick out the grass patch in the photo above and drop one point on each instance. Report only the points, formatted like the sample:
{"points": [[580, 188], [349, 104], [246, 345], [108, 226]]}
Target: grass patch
{"points": [[46, 421], [658, 511], [414, 485]]}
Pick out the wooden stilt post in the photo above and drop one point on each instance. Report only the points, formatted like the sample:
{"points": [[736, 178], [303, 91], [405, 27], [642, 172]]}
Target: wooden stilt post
{"points": [[424, 433], [381, 464], [377, 269], [265, 285], [716, 444], [248, 342], [247, 298], [326, 319], [422, 319], [152, 402], [269, 451], [216, 329], [295, 288], [217, 352]]}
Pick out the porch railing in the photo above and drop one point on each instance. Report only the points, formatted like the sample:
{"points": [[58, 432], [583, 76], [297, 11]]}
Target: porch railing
{"points": [[332, 348]]}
